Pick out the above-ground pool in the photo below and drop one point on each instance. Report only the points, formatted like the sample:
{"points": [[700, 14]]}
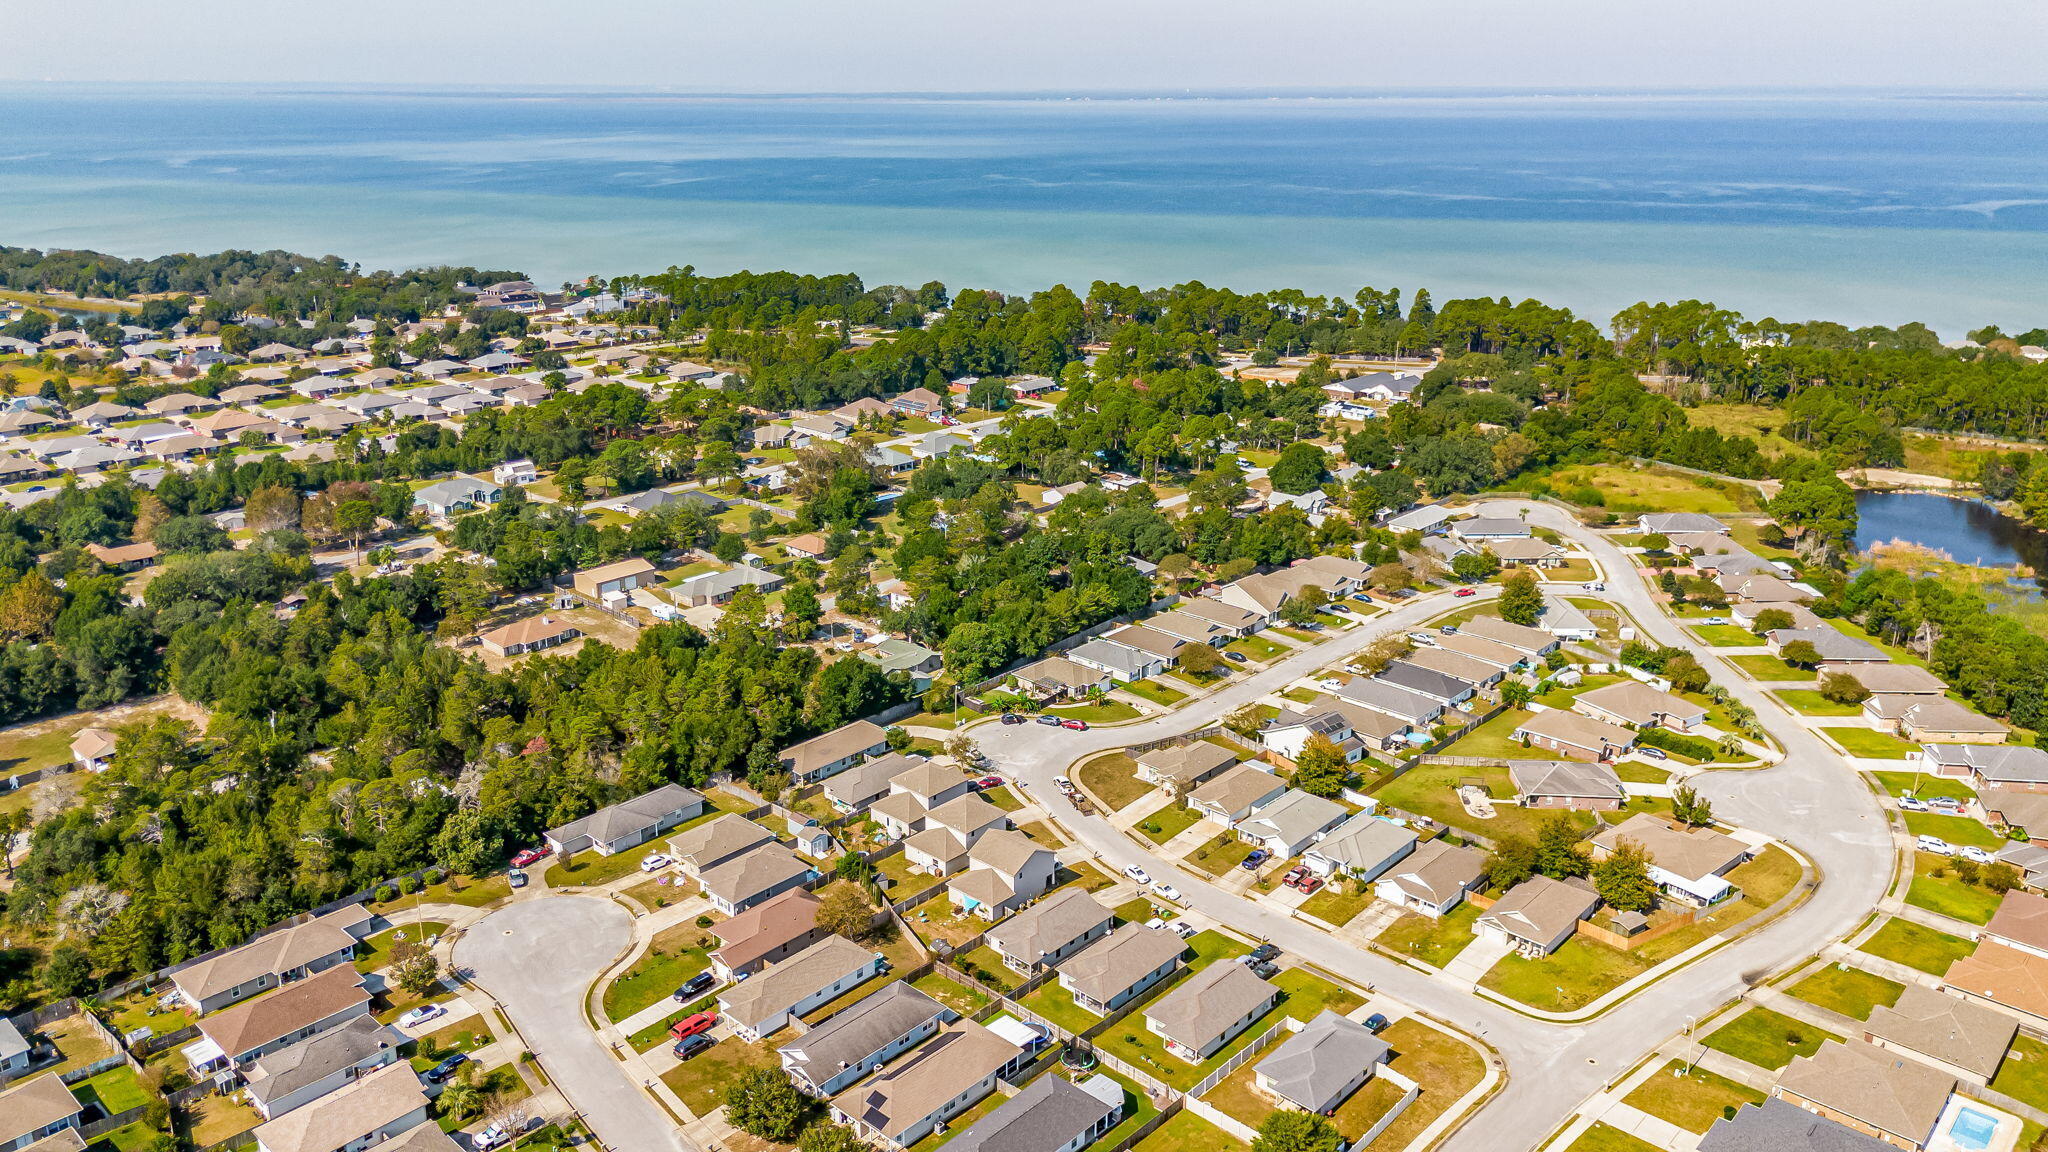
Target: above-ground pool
{"points": [[1972, 1129]]}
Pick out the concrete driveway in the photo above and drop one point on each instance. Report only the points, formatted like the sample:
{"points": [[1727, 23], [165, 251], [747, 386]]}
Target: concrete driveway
{"points": [[537, 958]]}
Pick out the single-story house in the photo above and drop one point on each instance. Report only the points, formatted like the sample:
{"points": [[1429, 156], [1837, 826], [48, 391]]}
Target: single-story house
{"points": [[1051, 1114], [214, 982], [1118, 661], [306, 1071], [1237, 621], [1469, 669], [444, 498], [2007, 977], [1046, 933], [1890, 679], [1576, 736], [1528, 641], [606, 581], [1234, 793], [1666, 523], [1433, 878], [756, 877], [1964, 1039], [1183, 764], [629, 823], [1056, 677], [1322, 1064], [766, 1003], [92, 749], [242, 1033], [1427, 520], [702, 847], [2022, 811], [1391, 699], [946, 1076], [1878, 1093], [2021, 922], [39, 1110], [1782, 1125], [1637, 705], [1120, 967], [719, 586], [922, 402], [1538, 915], [1834, 647], [1935, 720], [835, 751], [1491, 528], [1208, 1010], [1290, 822], [367, 1112], [1362, 847], [1439, 686], [2015, 767], [529, 635], [1688, 864], [866, 782]]}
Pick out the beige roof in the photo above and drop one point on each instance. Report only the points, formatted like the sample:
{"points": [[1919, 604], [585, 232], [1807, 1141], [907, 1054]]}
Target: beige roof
{"points": [[2022, 918], [983, 885], [1640, 704], [1237, 788], [1495, 653], [1889, 1092], [2006, 975], [1516, 636], [965, 814], [950, 1063], [1190, 761], [926, 779], [1062, 671], [424, 1137], [1049, 925], [531, 630], [790, 982], [1150, 640], [1467, 668], [938, 843], [252, 1023], [1207, 1003], [1336, 567], [1540, 909], [613, 571], [34, 1104], [346, 1114], [1004, 851], [122, 553], [752, 874], [1693, 853], [716, 840], [1577, 731], [808, 542], [62, 1140], [901, 807], [1229, 615], [1900, 679], [759, 930], [1435, 870], [833, 746], [272, 953], [92, 744], [1950, 1029], [1937, 714], [1117, 961], [1523, 548]]}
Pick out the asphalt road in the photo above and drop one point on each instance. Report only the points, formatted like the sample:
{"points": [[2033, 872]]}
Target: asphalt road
{"points": [[1812, 800], [537, 958]]}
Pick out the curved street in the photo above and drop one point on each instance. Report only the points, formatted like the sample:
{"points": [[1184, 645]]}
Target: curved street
{"points": [[1813, 800]]}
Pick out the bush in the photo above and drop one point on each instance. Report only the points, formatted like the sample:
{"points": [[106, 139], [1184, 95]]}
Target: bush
{"points": [[1671, 741], [407, 885], [384, 894], [705, 921], [436, 876]]}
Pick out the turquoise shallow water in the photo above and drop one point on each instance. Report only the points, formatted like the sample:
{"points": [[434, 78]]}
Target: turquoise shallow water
{"points": [[1860, 210]]}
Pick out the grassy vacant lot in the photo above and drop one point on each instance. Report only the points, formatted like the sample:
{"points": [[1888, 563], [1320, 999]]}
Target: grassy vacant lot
{"points": [[1726, 635], [1937, 888], [674, 956], [1603, 1138], [1113, 780], [1904, 942], [1433, 941], [1575, 975], [1850, 991], [1924, 785], [1445, 1066], [468, 891], [1627, 490], [1337, 903], [1220, 855], [1156, 692], [1691, 1101], [1211, 946], [1763, 666], [1959, 830], [701, 1080], [1869, 742], [1429, 790], [1809, 702], [1139, 909], [2024, 1075], [1255, 647], [1168, 822], [1768, 1039]]}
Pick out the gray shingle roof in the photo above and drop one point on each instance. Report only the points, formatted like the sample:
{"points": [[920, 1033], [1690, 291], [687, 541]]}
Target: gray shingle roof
{"points": [[1312, 1066], [1049, 1113], [1781, 1126]]}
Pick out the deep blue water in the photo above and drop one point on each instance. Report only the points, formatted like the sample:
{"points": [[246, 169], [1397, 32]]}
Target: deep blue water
{"points": [[1968, 531], [1855, 208]]}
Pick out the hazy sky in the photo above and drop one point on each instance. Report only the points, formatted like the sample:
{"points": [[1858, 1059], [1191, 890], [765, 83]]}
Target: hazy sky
{"points": [[961, 45]]}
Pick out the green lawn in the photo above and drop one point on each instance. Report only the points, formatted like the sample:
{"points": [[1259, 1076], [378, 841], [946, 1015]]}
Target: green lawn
{"points": [[1924, 785], [1726, 635], [1768, 1039], [1187, 1132], [468, 891], [1113, 780], [1871, 743], [1957, 830], [1809, 702], [1937, 888], [1003, 798], [117, 1089], [1136, 1044], [1336, 903], [1219, 855], [1168, 822], [1057, 1005], [1433, 941], [1211, 946], [1444, 1065], [589, 869], [375, 952], [984, 961], [1429, 790], [953, 994], [127, 1138], [1255, 647], [1107, 712], [1602, 1138], [1850, 991], [674, 956], [1309, 995], [701, 1080], [2024, 1075], [1763, 666], [1575, 975], [1905, 942], [1693, 1101], [1156, 692]]}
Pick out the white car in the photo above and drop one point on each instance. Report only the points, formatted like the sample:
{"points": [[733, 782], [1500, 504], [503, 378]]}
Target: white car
{"points": [[1166, 892], [1972, 852], [1936, 845], [1063, 784], [1912, 804], [421, 1015], [1138, 874], [1184, 930], [655, 863]]}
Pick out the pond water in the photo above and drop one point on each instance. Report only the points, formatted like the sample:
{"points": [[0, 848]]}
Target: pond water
{"points": [[1969, 531]]}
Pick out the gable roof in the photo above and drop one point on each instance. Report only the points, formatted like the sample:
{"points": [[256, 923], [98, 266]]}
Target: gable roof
{"points": [[1051, 1112], [272, 953], [627, 816], [34, 1104], [1049, 925], [253, 1023], [1237, 788], [767, 926], [747, 876], [1692, 853], [1207, 1003], [908, 1091], [790, 982], [309, 1061], [1579, 732], [1516, 636], [346, 1114], [1363, 841], [860, 1031], [1115, 962], [1640, 704], [1889, 1092], [1310, 1067], [1540, 909], [833, 746], [1779, 1125], [1948, 1028], [1293, 816], [1191, 761], [717, 840]]}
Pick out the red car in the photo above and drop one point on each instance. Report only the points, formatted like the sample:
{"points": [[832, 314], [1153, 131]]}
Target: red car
{"points": [[1467, 592], [989, 782], [1309, 884], [690, 1026], [1296, 875], [1076, 725], [529, 856]]}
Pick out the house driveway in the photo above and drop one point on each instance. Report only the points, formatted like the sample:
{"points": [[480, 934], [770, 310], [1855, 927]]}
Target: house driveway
{"points": [[537, 958]]}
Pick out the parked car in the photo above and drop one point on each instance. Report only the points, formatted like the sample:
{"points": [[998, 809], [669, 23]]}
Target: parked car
{"points": [[1076, 725], [1167, 892], [989, 782], [421, 1015], [654, 862], [690, 1046], [493, 1137], [1063, 784], [1264, 969], [517, 878], [529, 856], [1308, 884], [1258, 857], [1184, 930], [1466, 592], [1295, 875], [1376, 1023], [446, 1068], [1236, 657], [1138, 874], [1449, 629], [1421, 638], [1264, 952], [1936, 845], [696, 986], [1914, 804], [1596, 586], [1948, 804], [1012, 718], [692, 1025], [1972, 852], [1052, 720], [1717, 620], [1653, 753]]}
